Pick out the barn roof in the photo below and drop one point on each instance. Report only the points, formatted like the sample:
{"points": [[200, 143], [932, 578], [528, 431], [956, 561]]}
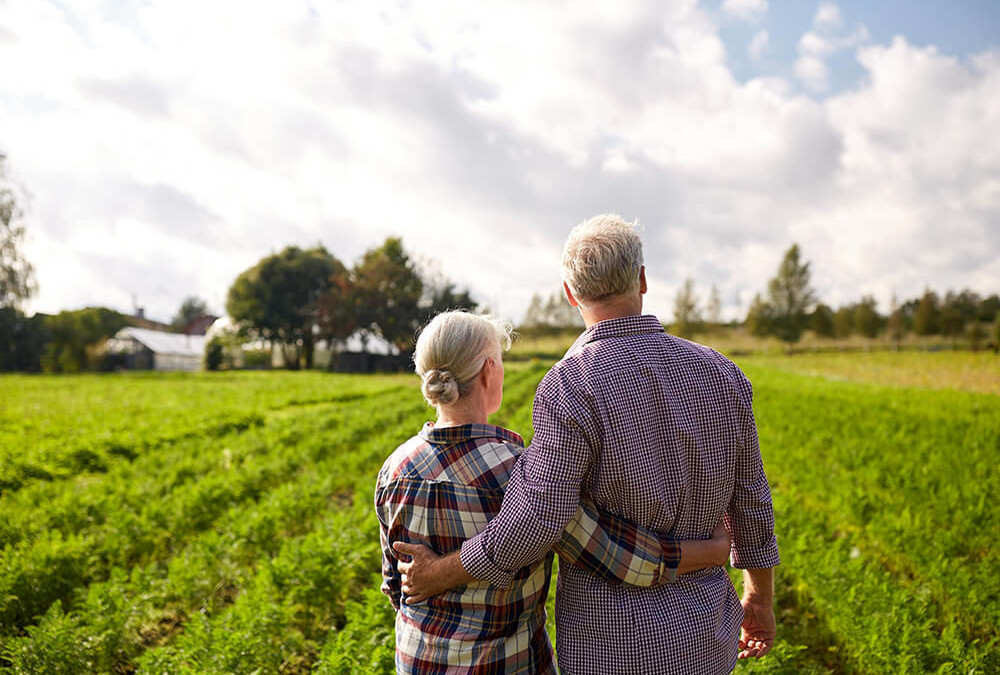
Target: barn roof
{"points": [[159, 342]]}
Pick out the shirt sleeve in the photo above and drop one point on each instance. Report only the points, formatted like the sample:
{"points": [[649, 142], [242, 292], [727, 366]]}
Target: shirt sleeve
{"points": [[750, 515], [542, 496], [391, 579], [617, 550]]}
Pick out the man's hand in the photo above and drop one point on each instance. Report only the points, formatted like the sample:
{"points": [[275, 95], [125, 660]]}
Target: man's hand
{"points": [[758, 629], [427, 574]]}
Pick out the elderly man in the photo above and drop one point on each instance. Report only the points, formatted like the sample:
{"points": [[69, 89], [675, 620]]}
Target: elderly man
{"points": [[654, 429]]}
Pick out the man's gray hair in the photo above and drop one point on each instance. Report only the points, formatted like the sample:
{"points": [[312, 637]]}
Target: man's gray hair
{"points": [[602, 259]]}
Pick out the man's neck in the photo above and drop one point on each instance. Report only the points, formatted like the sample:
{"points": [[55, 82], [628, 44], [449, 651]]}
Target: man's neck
{"points": [[617, 308]]}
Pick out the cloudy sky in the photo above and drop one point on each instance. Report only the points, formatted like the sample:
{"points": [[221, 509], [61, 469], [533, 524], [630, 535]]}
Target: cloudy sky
{"points": [[163, 146]]}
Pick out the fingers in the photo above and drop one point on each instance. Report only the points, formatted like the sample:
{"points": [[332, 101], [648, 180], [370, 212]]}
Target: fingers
{"points": [[754, 648], [407, 548]]}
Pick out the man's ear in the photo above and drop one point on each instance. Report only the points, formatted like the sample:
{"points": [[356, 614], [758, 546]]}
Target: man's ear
{"points": [[642, 280], [569, 295]]}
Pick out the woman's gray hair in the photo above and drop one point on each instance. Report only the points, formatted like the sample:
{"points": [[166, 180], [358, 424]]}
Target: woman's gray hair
{"points": [[602, 259], [452, 349]]}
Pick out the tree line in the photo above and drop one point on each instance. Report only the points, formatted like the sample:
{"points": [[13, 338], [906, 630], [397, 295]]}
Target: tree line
{"points": [[790, 307]]}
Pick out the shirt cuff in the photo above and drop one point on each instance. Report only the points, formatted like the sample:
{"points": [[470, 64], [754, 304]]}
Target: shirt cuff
{"points": [[760, 558], [477, 563], [671, 550]]}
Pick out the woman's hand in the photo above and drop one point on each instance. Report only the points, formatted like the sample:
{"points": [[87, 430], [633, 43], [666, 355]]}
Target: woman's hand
{"points": [[427, 574]]}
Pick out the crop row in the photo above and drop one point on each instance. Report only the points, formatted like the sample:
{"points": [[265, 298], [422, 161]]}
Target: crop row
{"points": [[885, 537], [89, 424], [130, 606], [41, 569]]}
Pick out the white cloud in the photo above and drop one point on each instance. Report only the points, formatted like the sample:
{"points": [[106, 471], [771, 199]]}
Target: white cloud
{"points": [[828, 17], [163, 160], [813, 72], [758, 44], [817, 45], [746, 10]]}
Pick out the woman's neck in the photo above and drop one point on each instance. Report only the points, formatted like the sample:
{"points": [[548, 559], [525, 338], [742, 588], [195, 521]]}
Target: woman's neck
{"points": [[453, 416]]}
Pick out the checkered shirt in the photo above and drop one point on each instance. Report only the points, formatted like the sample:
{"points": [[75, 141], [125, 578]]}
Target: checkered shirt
{"points": [[442, 487], [660, 431]]}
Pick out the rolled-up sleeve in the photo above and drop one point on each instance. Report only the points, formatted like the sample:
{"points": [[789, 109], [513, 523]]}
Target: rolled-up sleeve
{"points": [[391, 579], [750, 515], [617, 550]]}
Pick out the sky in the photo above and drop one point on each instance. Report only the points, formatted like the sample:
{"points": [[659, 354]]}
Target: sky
{"points": [[162, 147]]}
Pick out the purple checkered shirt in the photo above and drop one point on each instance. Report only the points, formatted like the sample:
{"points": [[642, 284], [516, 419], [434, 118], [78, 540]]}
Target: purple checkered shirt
{"points": [[442, 487], [660, 431]]}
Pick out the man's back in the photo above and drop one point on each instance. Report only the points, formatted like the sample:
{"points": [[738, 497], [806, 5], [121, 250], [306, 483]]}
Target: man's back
{"points": [[660, 431]]}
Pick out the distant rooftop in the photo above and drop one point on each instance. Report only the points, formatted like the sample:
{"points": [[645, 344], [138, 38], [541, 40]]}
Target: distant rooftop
{"points": [[165, 343]]}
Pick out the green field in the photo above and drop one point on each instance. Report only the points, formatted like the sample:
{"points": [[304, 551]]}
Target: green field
{"points": [[222, 523]]}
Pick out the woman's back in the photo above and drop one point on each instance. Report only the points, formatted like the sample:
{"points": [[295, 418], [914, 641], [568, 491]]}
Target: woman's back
{"points": [[439, 489]]}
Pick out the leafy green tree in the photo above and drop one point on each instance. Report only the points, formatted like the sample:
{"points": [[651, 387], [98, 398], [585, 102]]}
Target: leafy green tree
{"points": [[843, 321], [339, 308], [822, 321], [790, 297], [76, 338], [895, 325], [276, 299], [867, 321], [989, 308], [758, 321], [390, 290], [687, 315], [22, 340], [191, 308], [17, 276], [927, 320]]}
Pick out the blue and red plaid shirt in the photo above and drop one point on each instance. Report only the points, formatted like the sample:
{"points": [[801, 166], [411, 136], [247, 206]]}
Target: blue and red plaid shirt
{"points": [[442, 487]]}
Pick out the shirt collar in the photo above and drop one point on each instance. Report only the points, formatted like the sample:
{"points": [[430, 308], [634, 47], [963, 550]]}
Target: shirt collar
{"points": [[465, 432], [637, 324]]}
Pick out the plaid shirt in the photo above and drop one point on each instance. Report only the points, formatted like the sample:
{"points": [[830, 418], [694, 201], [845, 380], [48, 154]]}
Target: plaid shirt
{"points": [[442, 487], [658, 430]]}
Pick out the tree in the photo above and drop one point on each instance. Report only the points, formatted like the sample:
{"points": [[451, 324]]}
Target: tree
{"points": [[551, 315], [22, 340], [896, 324], [389, 290], [758, 319], [276, 299], [989, 308], [790, 297], [687, 316], [866, 318], [338, 308], [927, 320], [534, 316], [191, 308], [17, 276], [843, 321], [822, 321], [76, 339], [713, 309]]}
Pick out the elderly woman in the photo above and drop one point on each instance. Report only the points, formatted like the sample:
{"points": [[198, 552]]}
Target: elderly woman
{"points": [[443, 486]]}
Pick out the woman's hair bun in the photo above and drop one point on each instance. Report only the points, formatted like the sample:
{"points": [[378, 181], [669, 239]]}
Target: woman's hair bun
{"points": [[440, 387]]}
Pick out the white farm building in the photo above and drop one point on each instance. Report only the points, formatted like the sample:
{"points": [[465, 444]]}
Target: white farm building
{"points": [[145, 349]]}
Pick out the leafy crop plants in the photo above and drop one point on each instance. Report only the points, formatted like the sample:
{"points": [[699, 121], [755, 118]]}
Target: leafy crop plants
{"points": [[222, 523]]}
